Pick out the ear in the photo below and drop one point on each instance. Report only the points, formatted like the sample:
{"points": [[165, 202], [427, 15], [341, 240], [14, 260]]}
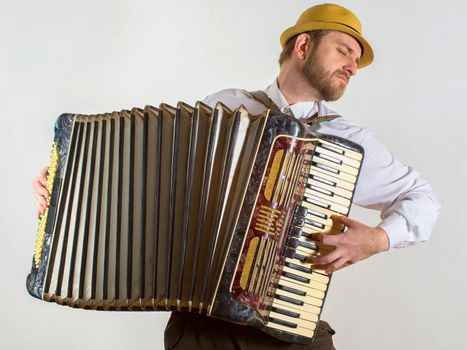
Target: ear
{"points": [[302, 46]]}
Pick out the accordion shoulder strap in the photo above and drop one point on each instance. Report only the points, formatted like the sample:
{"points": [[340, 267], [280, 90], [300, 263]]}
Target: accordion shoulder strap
{"points": [[264, 99]]}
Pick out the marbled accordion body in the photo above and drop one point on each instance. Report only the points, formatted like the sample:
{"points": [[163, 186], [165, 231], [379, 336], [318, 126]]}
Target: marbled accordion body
{"points": [[193, 209]]}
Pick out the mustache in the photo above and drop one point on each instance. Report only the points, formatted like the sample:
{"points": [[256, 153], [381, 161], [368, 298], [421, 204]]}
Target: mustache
{"points": [[343, 73]]}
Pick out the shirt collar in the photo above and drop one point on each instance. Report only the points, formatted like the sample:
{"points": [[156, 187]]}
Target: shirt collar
{"points": [[298, 110]]}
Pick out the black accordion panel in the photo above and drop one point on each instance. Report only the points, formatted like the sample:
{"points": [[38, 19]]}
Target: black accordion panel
{"points": [[189, 209]]}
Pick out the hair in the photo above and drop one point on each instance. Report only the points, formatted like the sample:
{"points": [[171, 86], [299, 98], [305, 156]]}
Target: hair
{"points": [[315, 35]]}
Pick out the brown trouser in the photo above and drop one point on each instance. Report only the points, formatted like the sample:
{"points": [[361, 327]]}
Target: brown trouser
{"points": [[186, 331]]}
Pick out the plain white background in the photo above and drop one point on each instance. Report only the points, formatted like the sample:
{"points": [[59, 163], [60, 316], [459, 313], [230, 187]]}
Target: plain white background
{"points": [[98, 56]]}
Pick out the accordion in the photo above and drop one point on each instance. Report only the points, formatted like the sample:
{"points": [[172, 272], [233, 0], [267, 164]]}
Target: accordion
{"points": [[194, 209]]}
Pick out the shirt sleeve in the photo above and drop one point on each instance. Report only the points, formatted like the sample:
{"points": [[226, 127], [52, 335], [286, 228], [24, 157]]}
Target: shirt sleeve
{"points": [[408, 206]]}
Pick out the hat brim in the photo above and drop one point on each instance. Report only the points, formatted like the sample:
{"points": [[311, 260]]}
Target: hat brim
{"points": [[367, 51]]}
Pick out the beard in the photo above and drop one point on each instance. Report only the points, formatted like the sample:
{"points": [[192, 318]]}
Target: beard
{"points": [[323, 81]]}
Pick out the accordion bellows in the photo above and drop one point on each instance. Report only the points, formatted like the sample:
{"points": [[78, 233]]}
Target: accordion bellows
{"points": [[193, 209]]}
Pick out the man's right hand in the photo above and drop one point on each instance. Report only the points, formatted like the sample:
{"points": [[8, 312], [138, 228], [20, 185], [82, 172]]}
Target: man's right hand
{"points": [[40, 192]]}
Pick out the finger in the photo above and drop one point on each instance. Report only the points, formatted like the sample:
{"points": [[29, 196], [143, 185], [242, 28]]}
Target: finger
{"points": [[328, 241], [42, 191], [39, 214], [42, 176], [41, 202], [342, 220], [317, 236], [324, 260], [336, 265], [332, 240], [39, 189], [40, 208]]}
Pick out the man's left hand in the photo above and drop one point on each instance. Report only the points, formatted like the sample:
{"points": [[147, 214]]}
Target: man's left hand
{"points": [[357, 243]]}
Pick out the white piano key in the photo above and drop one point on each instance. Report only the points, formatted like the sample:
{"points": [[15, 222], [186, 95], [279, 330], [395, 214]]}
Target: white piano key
{"points": [[299, 303], [307, 312], [316, 181], [311, 276], [346, 160], [319, 294], [298, 321], [341, 183], [341, 149], [329, 196], [297, 330], [325, 203], [326, 167]]}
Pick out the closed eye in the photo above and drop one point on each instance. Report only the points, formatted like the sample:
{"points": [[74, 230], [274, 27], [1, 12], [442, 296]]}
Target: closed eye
{"points": [[343, 52]]}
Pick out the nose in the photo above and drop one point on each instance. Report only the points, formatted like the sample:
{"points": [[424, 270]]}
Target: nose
{"points": [[351, 67]]}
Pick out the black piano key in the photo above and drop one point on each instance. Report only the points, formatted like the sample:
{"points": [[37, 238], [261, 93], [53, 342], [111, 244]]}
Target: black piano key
{"points": [[320, 190], [326, 168], [317, 202], [314, 223], [291, 290], [331, 148], [323, 180], [295, 231], [298, 221], [288, 252], [309, 245], [296, 277], [329, 158], [292, 242], [282, 322], [317, 214], [299, 267], [288, 300], [301, 210], [285, 312], [291, 253]]}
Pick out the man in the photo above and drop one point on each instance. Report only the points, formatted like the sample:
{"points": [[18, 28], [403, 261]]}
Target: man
{"points": [[321, 52]]}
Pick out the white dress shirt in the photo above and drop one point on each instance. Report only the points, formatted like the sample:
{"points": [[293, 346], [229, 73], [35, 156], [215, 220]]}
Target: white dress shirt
{"points": [[407, 203]]}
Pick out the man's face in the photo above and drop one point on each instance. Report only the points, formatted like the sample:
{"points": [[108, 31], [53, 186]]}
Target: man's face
{"points": [[331, 63]]}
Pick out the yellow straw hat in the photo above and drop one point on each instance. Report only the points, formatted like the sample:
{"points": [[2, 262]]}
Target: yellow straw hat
{"points": [[331, 17]]}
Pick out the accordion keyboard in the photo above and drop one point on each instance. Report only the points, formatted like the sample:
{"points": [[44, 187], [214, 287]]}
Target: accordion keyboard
{"points": [[302, 288]]}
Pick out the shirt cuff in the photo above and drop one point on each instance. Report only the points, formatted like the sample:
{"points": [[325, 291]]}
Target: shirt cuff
{"points": [[395, 226]]}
